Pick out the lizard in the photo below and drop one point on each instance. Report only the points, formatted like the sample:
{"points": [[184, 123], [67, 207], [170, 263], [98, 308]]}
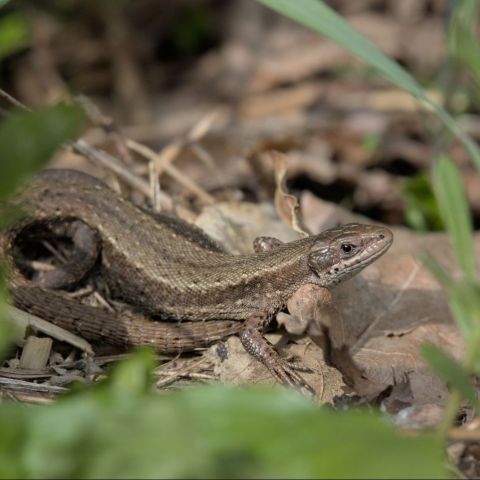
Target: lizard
{"points": [[170, 270]]}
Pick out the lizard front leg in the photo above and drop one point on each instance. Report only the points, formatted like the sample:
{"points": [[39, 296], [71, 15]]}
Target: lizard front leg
{"points": [[258, 346], [251, 336]]}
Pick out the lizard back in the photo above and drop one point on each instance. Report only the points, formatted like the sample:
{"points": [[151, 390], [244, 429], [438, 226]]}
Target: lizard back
{"points": [[164, 266]]}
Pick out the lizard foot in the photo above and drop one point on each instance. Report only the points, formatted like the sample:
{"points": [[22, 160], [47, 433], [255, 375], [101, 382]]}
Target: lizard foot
{"points": [[259, 347]]}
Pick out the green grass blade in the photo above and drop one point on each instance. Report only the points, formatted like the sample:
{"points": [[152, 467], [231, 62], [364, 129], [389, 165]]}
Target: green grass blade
{"points": [[462, 35], [455, 212], [464, 298], [437, 271], [317, 16], [451, 371]]}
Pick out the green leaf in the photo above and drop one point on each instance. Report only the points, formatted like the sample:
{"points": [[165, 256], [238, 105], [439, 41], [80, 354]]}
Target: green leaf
{"points": [[14, 34], [319, 17], [451, 371], [462, 35], [29, 139], [134, 377], [13, 432], [437, 271], [8, 332], [465, 305], [422, 210], [209, 433], [456, 214], [463, 299]]}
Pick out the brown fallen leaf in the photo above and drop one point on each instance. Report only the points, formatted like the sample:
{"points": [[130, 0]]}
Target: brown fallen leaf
{"points": [[288, 207]]}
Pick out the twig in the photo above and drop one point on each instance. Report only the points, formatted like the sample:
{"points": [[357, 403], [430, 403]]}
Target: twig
{"points": [[170, 376], [102, 301], [168, 154], [202, 154], [107, 124], [462, 434], [110, 163], [25, 320], [172, 171], [154, 186], [12, 101], [35, 387]]}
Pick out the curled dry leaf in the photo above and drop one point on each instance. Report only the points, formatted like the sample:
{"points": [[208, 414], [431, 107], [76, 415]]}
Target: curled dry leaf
{"points": [[288, 207]]}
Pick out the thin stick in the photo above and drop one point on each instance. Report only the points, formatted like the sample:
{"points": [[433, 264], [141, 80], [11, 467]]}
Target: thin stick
{"points": [[172, 171], [25, 320], [168, 154], [155, 187], [12, 101]]}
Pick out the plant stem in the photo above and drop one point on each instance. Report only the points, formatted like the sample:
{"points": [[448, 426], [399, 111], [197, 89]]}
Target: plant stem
{"points": [[449, 416], [455, 398]]}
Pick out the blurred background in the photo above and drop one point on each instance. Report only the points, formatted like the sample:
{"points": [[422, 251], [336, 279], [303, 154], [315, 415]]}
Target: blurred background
{"points": [[156, 70]]}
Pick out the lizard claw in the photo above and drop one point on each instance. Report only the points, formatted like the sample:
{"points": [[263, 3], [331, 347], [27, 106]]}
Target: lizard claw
{"points": [[288, 376], [259, 347]]}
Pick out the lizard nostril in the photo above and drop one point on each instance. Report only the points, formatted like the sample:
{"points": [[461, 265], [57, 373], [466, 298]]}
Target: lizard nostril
{"points": [[381, 236]]}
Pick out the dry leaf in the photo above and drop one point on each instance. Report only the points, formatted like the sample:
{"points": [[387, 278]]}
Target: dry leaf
{"points": [[288, 207]]}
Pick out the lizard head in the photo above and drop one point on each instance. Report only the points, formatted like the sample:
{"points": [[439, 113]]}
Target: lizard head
{"points": [[341, 252]]}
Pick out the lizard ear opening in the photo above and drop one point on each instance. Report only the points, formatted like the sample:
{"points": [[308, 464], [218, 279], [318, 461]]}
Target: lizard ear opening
{"points": [[319, 259]]}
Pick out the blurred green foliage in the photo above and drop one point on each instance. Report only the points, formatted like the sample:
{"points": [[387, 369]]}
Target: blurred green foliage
{"points": [[14, 33], [421, 208], [451, 198], [452, 371], [118, 429], [371, 143], [463, 40], [7, 329]]}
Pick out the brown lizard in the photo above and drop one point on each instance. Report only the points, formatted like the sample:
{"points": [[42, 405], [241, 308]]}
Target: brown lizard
{"points": [[170, 270]]}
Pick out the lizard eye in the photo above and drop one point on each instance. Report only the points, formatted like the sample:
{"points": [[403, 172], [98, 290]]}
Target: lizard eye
{"points": [[347, 247]]}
